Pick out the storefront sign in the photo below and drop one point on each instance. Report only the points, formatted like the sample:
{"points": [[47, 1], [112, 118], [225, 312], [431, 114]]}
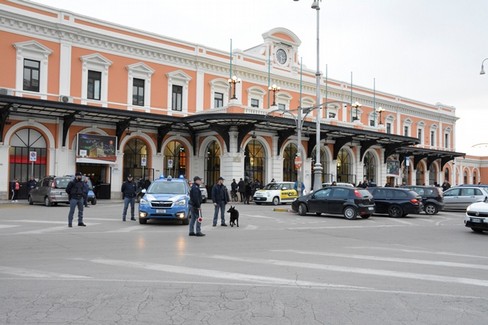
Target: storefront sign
{"points": [[96, 148]]}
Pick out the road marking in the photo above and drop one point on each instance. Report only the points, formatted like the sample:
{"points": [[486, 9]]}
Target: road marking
{"points": [[40, 221], [8, 226], [42, 231], [106, 219], [388, 259], [404, 250], [38, 274], [342, 227], [258, 216], [128, 229], [359, 270], [218, 274], [401, 221]]}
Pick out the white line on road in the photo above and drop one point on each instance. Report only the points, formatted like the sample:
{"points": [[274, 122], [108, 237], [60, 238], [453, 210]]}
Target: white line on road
{"points": [[217, 274], [40, 221], [401, 221], [8, 226], [342, 227], [41, 231], [128, 229], [38, 274], [358, 270], [388, 259], [419, 251]]}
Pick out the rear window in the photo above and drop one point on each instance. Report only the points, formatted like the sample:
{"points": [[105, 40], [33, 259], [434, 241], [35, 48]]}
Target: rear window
{"points": [[61, 182], [272, 186], [340, 193], [364, 193], [401, 194]]}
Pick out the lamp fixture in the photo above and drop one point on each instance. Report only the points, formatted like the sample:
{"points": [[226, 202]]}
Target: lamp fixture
{"points": [[380, 110], [233, 81], [356, 105], [274, 88]]}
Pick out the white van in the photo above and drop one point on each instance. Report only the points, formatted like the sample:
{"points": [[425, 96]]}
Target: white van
{"points": [[276, 193]]}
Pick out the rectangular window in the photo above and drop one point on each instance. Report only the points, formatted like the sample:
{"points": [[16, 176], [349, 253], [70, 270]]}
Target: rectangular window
{"points": [[372, 122], [177, 98], [254, 102], [419, 135], [446, 140], [32, 71], [218, 100], [282, 106], [388, 127], [432, 138], [332, 115], [138, 92], [405, 131], [94, 85]]}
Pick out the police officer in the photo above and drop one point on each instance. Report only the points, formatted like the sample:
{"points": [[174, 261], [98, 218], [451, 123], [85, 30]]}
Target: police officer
{"points": [[220, 197], [75, 195], [195, 207], [129, 189]]}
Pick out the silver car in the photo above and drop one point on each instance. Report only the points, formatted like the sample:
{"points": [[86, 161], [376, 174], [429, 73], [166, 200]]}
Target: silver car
{"points": [[477, 216], [50, 190], [459, 198]]}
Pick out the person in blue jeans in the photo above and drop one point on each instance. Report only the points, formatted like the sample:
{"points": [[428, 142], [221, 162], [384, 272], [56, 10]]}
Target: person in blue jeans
{"points": [[195, 208], [220, 198], [75, 195], [128, 190]]}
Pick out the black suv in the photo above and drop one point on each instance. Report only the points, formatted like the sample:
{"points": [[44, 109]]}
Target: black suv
{"points": [[396, 202], [349, 201], [432, 197]]}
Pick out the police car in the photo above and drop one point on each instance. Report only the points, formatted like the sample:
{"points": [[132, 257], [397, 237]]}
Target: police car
{"points": [[276, 193], [166, 198]]}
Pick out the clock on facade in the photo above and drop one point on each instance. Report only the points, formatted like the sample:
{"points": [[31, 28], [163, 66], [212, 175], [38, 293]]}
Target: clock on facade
{"points": [[281, 56]]}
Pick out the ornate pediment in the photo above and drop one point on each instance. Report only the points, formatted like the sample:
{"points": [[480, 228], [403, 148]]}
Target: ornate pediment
{"points": [[33, 46]]}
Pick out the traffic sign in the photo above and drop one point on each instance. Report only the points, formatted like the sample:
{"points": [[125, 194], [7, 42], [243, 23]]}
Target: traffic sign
{"points": [[143, 161], [32, 156], [298, 162]]}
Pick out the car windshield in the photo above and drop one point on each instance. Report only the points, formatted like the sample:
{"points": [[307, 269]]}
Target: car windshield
{"points": [[167, 188], [272, 186], [62, 182]]}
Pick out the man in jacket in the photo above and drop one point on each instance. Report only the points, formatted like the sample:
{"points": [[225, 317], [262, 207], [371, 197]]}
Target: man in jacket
{"points": [[195, 208], [75, 195], [86, 189], [242, 189], [220, 198], [128, 190]]}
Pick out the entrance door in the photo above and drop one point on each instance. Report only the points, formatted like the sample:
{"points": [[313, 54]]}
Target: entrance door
{"points": [[255, 161], [212, 166]]}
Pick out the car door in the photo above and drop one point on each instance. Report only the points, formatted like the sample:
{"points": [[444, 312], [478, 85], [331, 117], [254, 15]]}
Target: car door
{"points": [[451, 198], [469, 196], [318, 201], [337, 199], [379, 196]]}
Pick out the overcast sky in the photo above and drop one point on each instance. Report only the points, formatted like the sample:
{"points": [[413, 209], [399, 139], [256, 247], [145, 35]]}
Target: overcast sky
{"points": [[427, 50]]}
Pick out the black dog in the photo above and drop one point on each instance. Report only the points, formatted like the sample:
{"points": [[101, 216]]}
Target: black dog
{"points": [[234, 216]]}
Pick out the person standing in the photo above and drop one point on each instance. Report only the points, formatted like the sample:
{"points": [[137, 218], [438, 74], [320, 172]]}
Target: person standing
{"points": [[86, 189], [233, 190], [31, 184], [75, 195], [220, 198], [195, 208], [15, 189], [129, 189], [242, 189]]}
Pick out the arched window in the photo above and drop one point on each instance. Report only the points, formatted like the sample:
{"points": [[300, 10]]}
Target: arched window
{"points": [[370, 167], [433, 174], [22, 143], [212, 164], [135, 154], [289, 171], [465, 178], [475, 179], [420, 173], [175, 159], [446, 175], [326, 175], [345, 167], [255, 161]]}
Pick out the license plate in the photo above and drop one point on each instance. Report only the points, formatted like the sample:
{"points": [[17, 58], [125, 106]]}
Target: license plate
{"points": [[160, 211], [476, 220]]}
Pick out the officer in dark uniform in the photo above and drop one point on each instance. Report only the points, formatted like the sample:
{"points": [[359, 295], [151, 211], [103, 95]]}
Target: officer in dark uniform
{"points": [[195, 207], [129, 189], [75, 195]]}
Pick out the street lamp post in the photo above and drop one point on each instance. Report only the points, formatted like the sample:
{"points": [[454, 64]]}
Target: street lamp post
{"points": [[482, 68], [380, 110], [233, 81], [317, 170], [274, 89], [356, 105]]}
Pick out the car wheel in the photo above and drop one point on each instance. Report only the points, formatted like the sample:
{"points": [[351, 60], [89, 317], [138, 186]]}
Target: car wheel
{"points": [[258, 203], [94, 201], [395, 211], [142, 221], [47, 202], [366, 216], [430, 209], [350, 213], [276, 200], [302, 209], [318, 213], [30, 200], [476, 230]]}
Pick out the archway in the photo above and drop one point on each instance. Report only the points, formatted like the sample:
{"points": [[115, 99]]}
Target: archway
{"points": [[255, 161], [465, 176], [419, 173], [136, 159], [325, 162], [22, 143], [175, 159], [475, 177], [369, 167], [433, 174], [289, 171], [345, 167], [212, 164], [447, 176]]}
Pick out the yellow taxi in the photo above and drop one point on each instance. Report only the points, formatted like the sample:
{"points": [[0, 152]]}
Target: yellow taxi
{"points": [[276, 193]]}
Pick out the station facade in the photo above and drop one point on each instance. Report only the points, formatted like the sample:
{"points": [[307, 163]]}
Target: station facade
{"points": [[107, 100]]}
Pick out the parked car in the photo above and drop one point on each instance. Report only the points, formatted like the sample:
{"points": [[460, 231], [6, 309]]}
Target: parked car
{"points": [[203, 190], [396, 202], [337, 184], [459, 198], [477, 216], [276, 193], [50, 190], [432, 197], [166, 198], [338, 200]]}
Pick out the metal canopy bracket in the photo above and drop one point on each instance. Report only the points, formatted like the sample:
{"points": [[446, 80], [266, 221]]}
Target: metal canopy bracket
{"points": [[193, 136], [67, 121], [339, 143], [365, 145], [390, 149], [430, 161], [243, 131], [162, 131], [120, 128], [223, 131], [4, 113], [282, 136]]}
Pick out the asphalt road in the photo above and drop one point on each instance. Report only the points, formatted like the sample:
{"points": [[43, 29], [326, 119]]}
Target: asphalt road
{"points": [[276, 268]]}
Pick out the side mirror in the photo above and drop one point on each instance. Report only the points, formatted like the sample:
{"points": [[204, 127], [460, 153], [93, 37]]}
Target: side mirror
{"points": [[143, 191]]}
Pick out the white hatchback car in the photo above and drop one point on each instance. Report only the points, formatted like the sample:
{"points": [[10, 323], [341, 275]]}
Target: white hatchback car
{"points": [[476, 216], [276, 193]]}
